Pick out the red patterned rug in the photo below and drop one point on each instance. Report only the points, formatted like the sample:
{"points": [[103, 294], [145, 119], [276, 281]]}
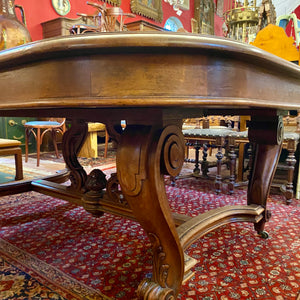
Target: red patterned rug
{"points": [[51, 249]]}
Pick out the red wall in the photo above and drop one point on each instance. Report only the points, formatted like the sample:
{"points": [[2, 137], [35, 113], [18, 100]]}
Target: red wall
{"points": [[38, 13]]}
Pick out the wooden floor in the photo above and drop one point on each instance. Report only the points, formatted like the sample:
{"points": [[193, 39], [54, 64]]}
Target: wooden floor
{"points": [[30, 169], [49, 164]]}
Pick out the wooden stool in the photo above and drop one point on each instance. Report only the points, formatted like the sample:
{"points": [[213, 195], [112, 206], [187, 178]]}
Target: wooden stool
{"points": [[90, 146], [12, 147]]}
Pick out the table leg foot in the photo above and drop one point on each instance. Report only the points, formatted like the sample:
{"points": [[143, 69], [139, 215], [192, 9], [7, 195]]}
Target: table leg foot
{"points": [[264, 234], [151, 290]]}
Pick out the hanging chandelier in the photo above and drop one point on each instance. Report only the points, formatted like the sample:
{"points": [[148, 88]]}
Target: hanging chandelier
{"points": [[241, 18]]}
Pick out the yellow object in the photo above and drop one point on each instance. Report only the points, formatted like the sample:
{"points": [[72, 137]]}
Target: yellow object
{"points": [[274, 40], [90, 146]]}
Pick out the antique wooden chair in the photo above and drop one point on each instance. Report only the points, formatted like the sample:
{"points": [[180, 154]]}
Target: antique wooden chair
{"points": [[284, 177], [12, 147], [39, 129], [114, 14], [219, 135], [94, 22]]}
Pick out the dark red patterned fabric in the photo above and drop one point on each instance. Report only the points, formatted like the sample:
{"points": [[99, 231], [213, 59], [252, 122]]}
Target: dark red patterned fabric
{"points": [[88, 257]]}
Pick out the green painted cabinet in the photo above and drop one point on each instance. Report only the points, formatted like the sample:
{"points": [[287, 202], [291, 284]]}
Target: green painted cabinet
{"points": [[12, 128]]}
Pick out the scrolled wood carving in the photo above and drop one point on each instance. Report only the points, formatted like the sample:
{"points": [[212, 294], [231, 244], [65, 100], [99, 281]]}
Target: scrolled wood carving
{"points": [[172, 150], [95, 182], [159, 257], [114, 193], [156, 289], [150, 290], [73, 140], [93, 191]]}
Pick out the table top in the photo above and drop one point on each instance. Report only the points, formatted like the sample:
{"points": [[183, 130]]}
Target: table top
{"points": [[145, 70]]}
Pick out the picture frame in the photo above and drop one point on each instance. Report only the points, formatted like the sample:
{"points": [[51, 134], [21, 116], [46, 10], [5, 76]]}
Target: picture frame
{"points": [[204, 16], [185, 5], [149, 9], [61, 7]]}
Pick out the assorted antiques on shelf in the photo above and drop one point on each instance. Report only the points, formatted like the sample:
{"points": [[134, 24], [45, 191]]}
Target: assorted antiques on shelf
{"points": [[241, 19], [244, 19], [105, 19], [267, 14]]}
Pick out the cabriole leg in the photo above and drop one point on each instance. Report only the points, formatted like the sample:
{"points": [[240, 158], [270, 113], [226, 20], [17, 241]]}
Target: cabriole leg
{"points": [[266, 134]]}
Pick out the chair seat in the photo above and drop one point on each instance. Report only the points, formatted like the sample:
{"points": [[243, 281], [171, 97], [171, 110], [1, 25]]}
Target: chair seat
{"points": [[85, 26], [42, 124], [286, 135], [12, 147], [239, 134], [291, 136], [207, 132], [6, 143], [39, 129]]}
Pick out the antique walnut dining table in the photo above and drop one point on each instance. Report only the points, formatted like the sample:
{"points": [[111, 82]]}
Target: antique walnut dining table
{"points": [[153, 81]]}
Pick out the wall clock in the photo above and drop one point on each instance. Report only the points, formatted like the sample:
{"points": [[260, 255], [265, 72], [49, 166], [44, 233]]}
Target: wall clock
{"points": [[62, 7]]}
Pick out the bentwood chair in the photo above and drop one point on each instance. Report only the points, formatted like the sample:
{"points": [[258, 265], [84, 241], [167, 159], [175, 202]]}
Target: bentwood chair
{"points": [[105, 19], [97, 21], [39, 129], [114, 14]]}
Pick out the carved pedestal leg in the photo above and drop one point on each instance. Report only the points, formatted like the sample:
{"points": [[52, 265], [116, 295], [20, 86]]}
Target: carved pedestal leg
{"points": [[143, 156], [73, 140], [266, 134]]}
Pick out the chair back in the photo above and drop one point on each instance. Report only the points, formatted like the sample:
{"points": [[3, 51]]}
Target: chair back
{"points": [[62, 122]]}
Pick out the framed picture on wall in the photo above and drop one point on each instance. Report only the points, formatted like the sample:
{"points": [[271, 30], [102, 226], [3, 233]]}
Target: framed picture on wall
{"points": [[204, 16], [61, 7], [185, 5], [151, 9]]}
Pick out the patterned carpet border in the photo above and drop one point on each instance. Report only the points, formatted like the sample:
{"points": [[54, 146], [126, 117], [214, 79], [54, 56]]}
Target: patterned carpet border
{"points": [[58, 282]]}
